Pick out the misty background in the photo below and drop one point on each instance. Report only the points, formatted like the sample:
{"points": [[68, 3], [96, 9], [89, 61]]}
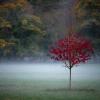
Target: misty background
{"points": [[28, 28]]}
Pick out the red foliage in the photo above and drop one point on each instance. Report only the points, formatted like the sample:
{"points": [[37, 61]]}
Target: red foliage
{"points": [[72, 49]]}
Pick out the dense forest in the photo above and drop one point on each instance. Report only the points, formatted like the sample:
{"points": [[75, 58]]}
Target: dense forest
{"points": [[88, 20], [29, 27]]}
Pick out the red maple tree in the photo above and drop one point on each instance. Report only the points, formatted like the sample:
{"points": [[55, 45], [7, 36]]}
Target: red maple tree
{"points": [[72, 50]]}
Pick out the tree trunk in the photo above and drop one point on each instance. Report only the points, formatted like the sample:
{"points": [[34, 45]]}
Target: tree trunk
{"points": [[70, 79]]}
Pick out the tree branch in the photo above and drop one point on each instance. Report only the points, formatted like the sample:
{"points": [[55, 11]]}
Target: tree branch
{"points": [[66, 65]]}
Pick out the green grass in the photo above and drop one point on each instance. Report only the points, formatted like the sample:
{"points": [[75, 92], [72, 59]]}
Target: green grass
{"points": [[20, 86]]}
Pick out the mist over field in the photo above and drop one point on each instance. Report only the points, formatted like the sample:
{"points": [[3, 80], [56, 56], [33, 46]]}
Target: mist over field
{"points": [[49, 71], [28, 31]]}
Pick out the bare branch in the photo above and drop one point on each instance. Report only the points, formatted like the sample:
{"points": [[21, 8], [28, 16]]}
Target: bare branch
{"points": [[66, 65]]}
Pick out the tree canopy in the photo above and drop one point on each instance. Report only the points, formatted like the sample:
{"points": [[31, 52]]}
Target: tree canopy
{"points": [[88, 20], [20, 33]]}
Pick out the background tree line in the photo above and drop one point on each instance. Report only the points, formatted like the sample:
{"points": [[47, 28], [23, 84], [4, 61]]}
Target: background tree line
{"points": [[25, 31], [88, 20]]}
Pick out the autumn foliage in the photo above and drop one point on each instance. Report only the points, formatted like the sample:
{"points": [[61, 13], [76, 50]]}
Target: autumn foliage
{"points": [[13, 4], [72, 50]]}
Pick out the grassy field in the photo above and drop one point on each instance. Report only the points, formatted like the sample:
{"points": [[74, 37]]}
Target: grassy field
{"points": [[49, 83]]}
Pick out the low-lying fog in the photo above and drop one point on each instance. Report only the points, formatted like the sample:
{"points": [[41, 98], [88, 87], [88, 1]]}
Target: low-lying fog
{"points": [[48, 70]]}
